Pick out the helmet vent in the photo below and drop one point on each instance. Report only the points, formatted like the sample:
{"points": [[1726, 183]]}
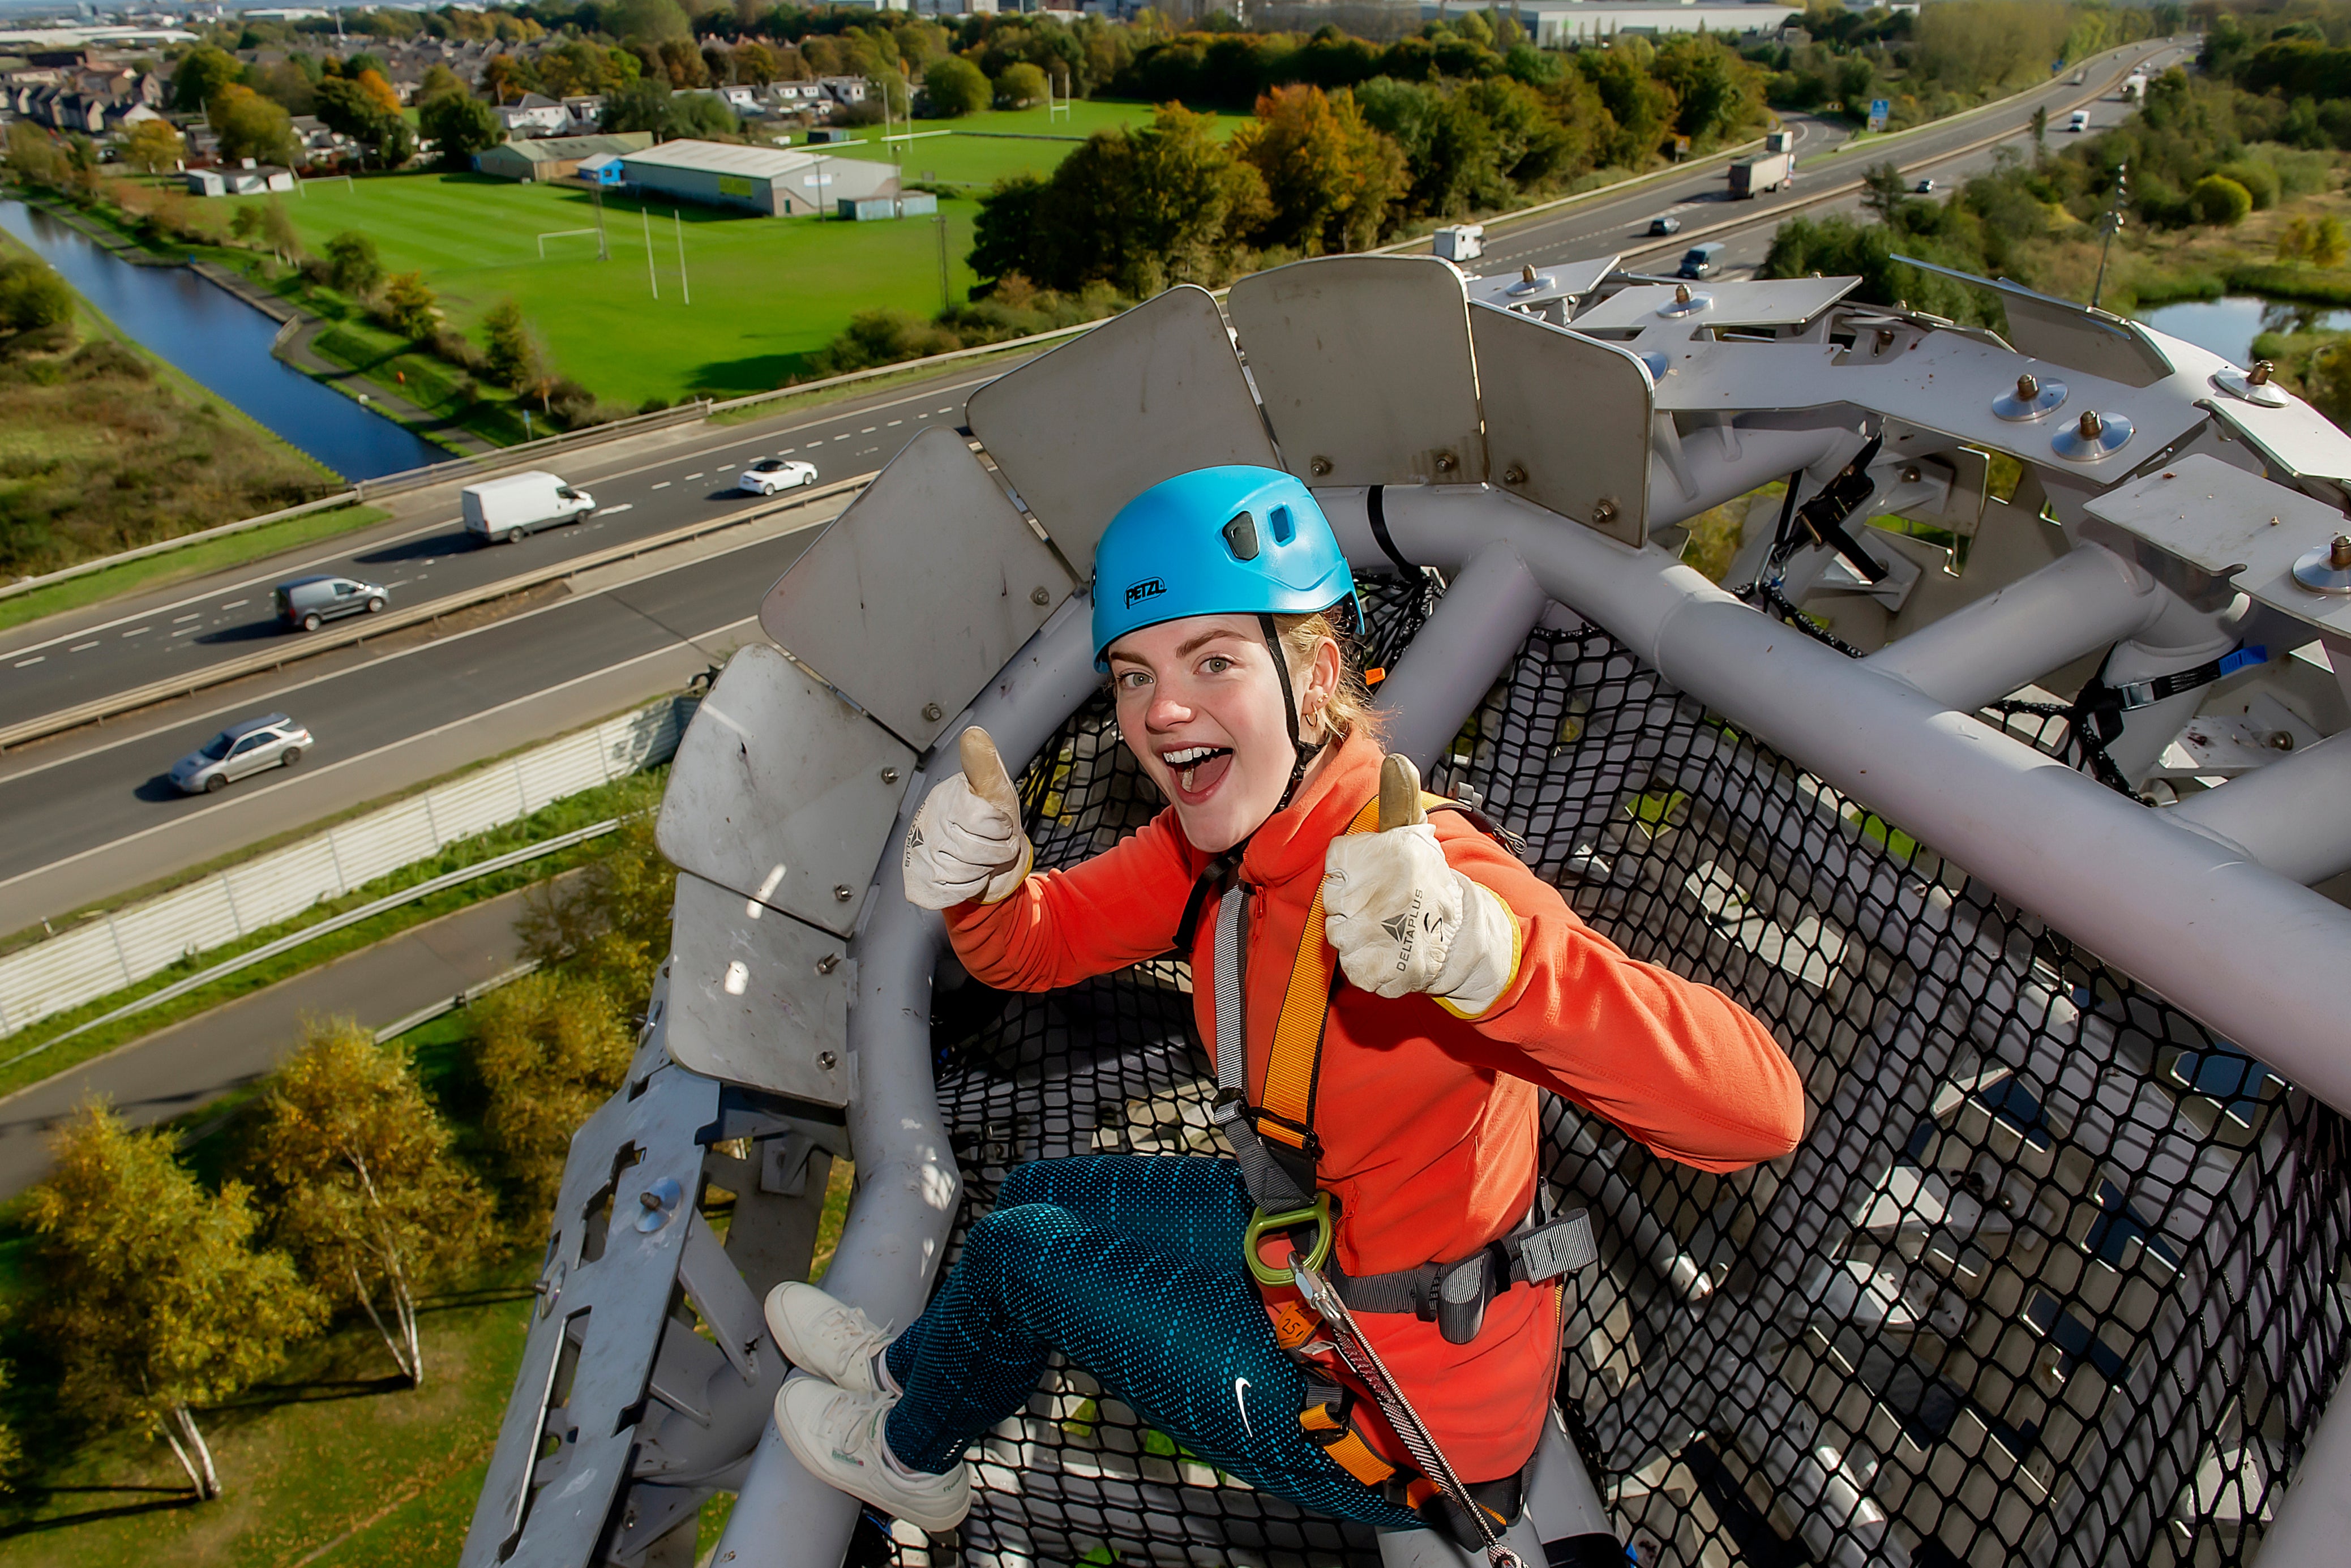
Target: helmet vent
{"points": [[1283, 531], [1240, 535]]}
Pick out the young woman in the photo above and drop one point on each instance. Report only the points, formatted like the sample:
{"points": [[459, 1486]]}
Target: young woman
{"points": [[1407, 1098]]}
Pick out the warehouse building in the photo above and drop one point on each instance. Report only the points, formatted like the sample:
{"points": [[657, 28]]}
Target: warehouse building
{"points": [[779, 181], [554, 157]]}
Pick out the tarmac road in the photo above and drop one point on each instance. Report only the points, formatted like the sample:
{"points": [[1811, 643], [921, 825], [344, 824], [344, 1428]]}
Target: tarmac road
{"points": [[90, 816]]}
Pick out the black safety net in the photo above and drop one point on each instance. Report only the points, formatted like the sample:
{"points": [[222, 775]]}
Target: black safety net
{"points": [[2056, 1276]]}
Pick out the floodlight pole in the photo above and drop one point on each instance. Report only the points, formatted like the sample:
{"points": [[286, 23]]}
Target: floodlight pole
{"points": [[650, 278], [679, 223], [596, 194], [2107, 225], [939, 227]]}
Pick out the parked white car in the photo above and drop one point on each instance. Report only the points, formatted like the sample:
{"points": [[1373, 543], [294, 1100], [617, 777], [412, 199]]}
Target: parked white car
{"points": [[247, 747], [769, 474]]}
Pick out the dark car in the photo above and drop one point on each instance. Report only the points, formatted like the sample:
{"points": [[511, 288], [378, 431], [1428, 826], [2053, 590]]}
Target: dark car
{"points": [[1664, 225], [311, 601]]}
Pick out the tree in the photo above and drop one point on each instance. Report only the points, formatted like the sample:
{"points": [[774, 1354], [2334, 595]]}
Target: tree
{"points": [[704, 115], [954, 87], [551, 1048], [2039, 129], [611, 919], [34, 156], [355, 1169], [651, 20], [681, 62], [755, 63], [512, 353], [372, 82], [277, 231], [251, 126], [438, 79], [1328, 175], [2216, 199], [155, 1299], [1883, 190], [32, 295], [352, 263], [643, 105], [199, 79], [410, 306], [459, 126], [577, 67], [506, 76], [1021, 85], [152, 146]]}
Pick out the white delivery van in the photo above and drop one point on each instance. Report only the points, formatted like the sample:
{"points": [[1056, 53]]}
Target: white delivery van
{"points": [[519, 504], [1459, 242], [2078, 120]]}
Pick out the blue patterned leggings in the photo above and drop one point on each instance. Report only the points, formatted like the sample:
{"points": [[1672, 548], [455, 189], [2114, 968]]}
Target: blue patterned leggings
{"points": [[1130, 1266]]}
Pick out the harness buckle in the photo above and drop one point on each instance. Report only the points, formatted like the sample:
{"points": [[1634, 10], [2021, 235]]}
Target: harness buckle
{"points": [[1317, 1214]]}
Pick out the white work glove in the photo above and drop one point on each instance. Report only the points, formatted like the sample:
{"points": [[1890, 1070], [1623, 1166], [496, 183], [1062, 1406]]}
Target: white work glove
{"points": [[1404, 920], [965, 841]]}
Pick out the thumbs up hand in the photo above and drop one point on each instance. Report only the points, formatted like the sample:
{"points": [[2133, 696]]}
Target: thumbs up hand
{"points": [[965, 841]]}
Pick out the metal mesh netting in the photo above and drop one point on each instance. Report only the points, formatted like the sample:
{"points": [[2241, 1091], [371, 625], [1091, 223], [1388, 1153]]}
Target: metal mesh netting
{"points": [[2057, 1275]]}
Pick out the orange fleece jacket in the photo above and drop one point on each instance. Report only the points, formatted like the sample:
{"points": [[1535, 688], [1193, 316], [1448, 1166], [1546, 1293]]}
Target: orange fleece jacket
{"points": [[1428, 1121]]}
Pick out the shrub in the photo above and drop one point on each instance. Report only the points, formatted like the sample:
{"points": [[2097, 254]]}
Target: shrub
{"points": [[954, 86], [2219, 199], [354, 265], [2260, 181], [1021, 85], [32, 295]]}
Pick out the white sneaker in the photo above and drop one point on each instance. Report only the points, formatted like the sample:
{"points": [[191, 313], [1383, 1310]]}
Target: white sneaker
{"points": [[830, 1338], [837, 1434]]}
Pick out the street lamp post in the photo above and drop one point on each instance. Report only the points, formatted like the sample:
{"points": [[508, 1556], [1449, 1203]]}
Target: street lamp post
{"points": [[2108, 225]]}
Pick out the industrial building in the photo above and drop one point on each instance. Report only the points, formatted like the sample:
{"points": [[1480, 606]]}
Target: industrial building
{"points": [[554, 157], [779, 181]]}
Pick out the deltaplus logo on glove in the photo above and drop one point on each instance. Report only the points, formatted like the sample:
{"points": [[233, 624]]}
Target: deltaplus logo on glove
{"points": [[1406, 929]]}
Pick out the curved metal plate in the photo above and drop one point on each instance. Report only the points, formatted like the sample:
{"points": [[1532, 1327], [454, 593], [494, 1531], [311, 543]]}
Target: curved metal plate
{"points": [[757, 998], [1144, 397], [918, 592], [1364, 366], [1567, 421]]}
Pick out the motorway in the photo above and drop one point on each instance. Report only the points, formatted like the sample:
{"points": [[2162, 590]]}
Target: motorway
{"points": [[90, 817]]}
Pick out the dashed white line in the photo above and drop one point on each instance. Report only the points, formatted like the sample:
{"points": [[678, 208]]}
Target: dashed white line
{"points": [[34, 660], [623, 506], [80, 647], [842, 437], [727, 468], [693, 476], [949, 409], [788, 451], [191, 616], [135, 631], [236, 604], [402, 582], [187, 631], [894, 425], [867, 431], [663, 486]]}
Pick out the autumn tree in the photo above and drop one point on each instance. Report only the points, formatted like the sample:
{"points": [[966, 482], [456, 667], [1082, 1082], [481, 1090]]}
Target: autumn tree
{"points": [[155, 1299], [409, 306], [152, 146], [352, 263], [551, 1048], [355, 1170], [954, 86], [506, 77], [251, 126], [199, 76], [277, 230], [1022, 85], [610, 920], [1328, 173], [459, 125], [755, 63]]}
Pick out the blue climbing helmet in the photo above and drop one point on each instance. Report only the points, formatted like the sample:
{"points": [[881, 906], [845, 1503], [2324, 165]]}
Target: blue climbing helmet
{"points": [[1232, 541]]}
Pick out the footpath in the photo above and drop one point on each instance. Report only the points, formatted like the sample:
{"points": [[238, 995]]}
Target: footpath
{"points": [[195, 1061]]}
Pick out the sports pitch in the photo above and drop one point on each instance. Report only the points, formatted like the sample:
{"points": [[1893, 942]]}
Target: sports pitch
{"points": [[757, 295]]}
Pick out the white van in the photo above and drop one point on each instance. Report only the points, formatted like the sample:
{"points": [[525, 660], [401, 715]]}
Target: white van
{"points": [[520, 504], [2079, 121]]}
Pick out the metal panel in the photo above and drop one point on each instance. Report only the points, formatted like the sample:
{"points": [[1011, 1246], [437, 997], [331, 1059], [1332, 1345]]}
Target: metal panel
{"points": [[2225, 523], [783, 791], [1144, 397], [910, 599], [757, 998], [1758, 302], [1364, 366], [1567, 421]]}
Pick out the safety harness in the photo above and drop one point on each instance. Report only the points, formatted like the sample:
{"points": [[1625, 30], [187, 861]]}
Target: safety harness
{"points": [[1288, 1239]]}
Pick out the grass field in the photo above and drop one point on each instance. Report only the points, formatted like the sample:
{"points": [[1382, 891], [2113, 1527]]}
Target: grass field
{"points": [[765, 292]]}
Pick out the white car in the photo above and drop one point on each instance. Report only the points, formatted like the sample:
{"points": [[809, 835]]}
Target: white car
{"points": [[769, 474]]}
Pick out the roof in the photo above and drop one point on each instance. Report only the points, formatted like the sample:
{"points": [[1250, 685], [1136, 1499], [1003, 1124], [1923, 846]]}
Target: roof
{"points": [[721, 158], [551, 149]]}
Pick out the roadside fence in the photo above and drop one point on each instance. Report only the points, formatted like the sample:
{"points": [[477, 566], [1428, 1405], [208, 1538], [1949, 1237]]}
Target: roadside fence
{"points": [[112, 951]]}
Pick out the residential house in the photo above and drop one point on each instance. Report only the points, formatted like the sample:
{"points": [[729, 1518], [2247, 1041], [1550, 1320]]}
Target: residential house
{"points": [[583, 113], [534, 114], [845, 91], [245, 178]]}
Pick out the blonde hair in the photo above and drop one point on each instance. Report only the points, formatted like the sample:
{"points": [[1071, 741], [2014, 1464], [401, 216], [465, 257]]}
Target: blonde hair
{"points": [[1348, 710]]}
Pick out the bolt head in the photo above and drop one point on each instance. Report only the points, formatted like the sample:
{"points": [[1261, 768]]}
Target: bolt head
{"points": [[1515, 473], [1446, 463], [2091, 425], [2279, 740], [889, 776], [826, 1059], [1040, 596], [827, 964], [1681, 294], [2259, 376], [933, 712], [1319, 467], [2027, 387], [651, 1200], [841, 893], [2338, 554], [1603, 511]]}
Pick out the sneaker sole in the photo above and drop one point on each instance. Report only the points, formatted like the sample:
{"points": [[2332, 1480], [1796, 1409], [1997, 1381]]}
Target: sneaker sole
{"points": [[896, 1506]]}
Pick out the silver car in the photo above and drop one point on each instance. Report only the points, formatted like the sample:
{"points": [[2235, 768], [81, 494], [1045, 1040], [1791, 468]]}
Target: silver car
{"points": [[247, 747]]}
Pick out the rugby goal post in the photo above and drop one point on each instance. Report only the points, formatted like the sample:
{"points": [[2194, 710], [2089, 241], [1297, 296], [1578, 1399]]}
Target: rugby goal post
{"points": [[559, 234]]}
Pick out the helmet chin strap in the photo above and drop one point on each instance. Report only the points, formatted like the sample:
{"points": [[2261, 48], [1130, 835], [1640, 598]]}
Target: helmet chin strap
{"points": [[1306, 753]]}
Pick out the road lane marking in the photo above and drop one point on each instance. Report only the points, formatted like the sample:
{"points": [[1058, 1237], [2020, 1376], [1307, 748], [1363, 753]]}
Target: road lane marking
{"points": [[623, 506], [690, 477], [727, 468], [842, 437], [402, 582], [190, 616], [80, 647], [136, 631], [894, 424], [663, 486], [187, 631], [34, 660], [867, 431], [236, 604]]}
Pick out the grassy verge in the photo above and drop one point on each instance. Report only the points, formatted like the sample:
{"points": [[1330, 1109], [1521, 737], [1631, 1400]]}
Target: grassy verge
{"points": [[616, 799], [174, 566]]}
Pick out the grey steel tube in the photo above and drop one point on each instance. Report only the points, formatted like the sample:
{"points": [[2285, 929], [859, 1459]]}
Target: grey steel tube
{"points": [[908, 1185], [1470, 640], [2220, 934], [1980, 652], [2293, 816]]}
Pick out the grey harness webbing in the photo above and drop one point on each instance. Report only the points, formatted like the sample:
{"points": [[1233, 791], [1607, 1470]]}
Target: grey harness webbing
{"points": [[1269, 1185]]}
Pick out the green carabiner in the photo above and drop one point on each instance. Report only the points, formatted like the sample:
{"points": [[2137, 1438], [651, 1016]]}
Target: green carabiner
{"points": [[1318, 1212]]}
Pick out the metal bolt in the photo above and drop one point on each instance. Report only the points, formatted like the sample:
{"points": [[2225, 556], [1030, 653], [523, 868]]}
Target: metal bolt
{"points": [[1681, 294], [1040, 596], [841, 891], [1603, 511], [827, 964], [933, 712], [1527, 273], [2278, 740], [649, 1200], [2339, 555], [1446, 463], [1515, 473], [2091, 425], [2259, 376], [825, 1060], [1910, 475], [2027, 387], [889, 776], [1319, 467]]}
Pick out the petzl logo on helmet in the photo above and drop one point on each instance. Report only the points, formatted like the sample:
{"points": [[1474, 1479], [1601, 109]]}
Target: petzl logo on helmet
{"points": [[1149, 588]]}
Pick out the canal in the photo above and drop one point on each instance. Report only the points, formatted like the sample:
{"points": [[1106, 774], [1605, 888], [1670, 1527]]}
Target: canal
{"points": [[222, 343], [2228, 325]]}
